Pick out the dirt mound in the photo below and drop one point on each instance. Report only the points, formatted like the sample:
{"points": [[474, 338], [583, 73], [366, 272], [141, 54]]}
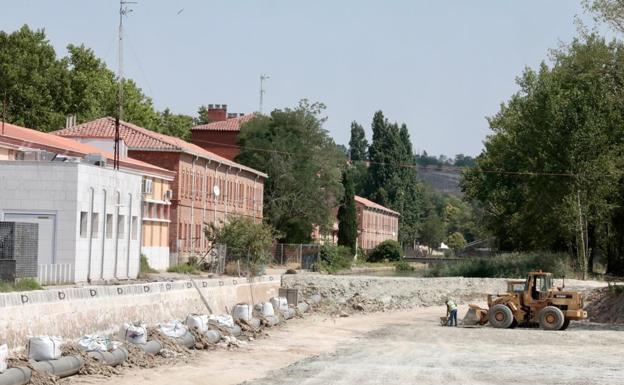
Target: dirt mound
{"points": [[91, 365], [606, 305]]}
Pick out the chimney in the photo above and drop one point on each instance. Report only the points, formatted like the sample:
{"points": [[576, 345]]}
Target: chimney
{"points": [[217, 112]]}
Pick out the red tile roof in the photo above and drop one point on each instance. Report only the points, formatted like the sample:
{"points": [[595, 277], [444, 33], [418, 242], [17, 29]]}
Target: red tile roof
{"points": [[139, 138], [25, 137], [371, 204], [232, 124]]}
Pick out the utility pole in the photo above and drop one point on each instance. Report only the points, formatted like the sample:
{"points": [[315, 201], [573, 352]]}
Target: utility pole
{"points": [[123, 11], [263, 77]]}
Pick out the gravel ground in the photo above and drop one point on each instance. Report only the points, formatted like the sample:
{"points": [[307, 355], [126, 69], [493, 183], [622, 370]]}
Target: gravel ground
{"points": [[421, 352]]}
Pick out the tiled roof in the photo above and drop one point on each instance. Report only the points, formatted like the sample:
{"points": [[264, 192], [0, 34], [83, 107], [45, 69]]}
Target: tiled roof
{"points": [[232, 124], [371, 204], [25, 137], [139, 138]]}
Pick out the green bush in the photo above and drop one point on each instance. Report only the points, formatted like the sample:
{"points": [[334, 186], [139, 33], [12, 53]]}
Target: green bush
{"points": [[510, 265], [24, 284], [144, 266], [334, 258], [184, 268], [403, 265], [389, 250]]}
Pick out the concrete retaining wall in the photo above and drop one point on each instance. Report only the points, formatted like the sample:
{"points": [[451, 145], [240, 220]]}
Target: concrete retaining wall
{"points": [[74, 312], [385, 293]]}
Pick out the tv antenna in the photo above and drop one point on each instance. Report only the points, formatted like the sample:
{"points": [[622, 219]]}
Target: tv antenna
{"points": [[124, 10], [263, 77]]}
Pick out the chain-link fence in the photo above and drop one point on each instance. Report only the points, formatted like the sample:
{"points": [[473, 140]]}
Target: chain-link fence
{"points": [[299, 256]]}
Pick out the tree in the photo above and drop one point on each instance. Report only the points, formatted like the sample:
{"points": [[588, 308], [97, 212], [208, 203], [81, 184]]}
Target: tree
{"points": [[358, 145], [246, 241], [34, 82], [607, 11], [433, 232], [392, 175], [387, 250], [304, 167], [456, 241], [202, 115], [347, 215], [550, 177]]}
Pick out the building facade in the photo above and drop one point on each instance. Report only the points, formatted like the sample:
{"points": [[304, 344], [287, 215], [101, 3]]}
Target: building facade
{"points": [[207, 188], [376, 223], [221, 134], [35, 164]]}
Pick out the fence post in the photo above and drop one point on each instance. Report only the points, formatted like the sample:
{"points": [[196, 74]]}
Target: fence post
{"points": [[300, 255], [282, 255]]}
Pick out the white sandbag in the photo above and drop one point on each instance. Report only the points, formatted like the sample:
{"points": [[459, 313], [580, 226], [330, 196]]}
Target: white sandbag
{"points": [[254, 323], [242, 311], [200, 321], [213, 336], [303, 307], [174, 329], [224, 320], [280, 304], [135, 334], [271, 320], [236, 330], [265, 309], [44, 348], [95, 343], [288, 313], [4, 355]]}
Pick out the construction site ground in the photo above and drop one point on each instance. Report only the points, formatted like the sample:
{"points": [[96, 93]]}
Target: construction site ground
{"points": [[399, 347]]}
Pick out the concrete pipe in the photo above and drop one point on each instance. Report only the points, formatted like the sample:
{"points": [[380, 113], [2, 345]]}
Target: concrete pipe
{"points": [[113, 358], [63, 367], [271, 320], [186, 340], [289, 313], [254, 323], [213, 336], [235, 330], [303, 307], [15, 376], [151, 347]]}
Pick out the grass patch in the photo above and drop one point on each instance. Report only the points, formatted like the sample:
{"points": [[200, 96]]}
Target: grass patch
{"points": [[24, 284], [184, 268], [510, 265]]}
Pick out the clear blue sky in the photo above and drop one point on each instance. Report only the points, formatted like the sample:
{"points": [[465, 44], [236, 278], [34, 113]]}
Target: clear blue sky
{"points": [[439, 66]]}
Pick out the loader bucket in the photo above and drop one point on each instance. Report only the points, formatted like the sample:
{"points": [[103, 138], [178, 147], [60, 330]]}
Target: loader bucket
{"points": [[475, 316]]}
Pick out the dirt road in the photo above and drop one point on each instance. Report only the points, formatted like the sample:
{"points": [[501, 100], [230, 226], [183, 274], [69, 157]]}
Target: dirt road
{"points": [[400, 347]]}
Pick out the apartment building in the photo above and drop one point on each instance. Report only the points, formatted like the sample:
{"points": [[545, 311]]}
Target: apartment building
{"points": [[207, 188]]}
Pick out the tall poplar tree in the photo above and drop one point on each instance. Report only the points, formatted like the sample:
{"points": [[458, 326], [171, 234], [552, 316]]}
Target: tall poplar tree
{"points": [[347, 215], [358, 145]]}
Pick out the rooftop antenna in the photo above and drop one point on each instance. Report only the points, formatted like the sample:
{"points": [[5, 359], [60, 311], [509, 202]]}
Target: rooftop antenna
{"points": [[123, 11], [263, 77]]}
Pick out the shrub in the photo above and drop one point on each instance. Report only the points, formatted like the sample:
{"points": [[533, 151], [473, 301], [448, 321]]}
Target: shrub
{"points": [[23, 284], [144, 267], [334, 258], [184, 268], [510, 265], [387, 250], [403, 265]]}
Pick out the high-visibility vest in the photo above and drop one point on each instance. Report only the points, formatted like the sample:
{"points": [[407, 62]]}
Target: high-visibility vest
{"points": [[451, 305]]}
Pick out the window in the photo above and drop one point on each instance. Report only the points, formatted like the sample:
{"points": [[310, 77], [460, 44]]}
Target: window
{"points": [[109, 226], [121, 226], [134, 230], [83, 224], [95, 228]]}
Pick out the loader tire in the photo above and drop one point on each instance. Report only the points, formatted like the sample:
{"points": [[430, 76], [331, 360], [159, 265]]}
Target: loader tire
{"points": [[500, 316], [551, 318], [566, 323]]}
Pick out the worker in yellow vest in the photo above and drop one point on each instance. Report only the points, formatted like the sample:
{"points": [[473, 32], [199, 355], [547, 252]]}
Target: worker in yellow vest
{"points": [[451, 312]]}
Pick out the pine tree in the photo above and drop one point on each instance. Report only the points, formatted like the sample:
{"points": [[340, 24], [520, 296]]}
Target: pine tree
{"points": [[347, 215], [358, 146]]}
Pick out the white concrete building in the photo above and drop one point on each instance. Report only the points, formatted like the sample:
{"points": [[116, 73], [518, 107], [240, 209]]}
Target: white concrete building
{"points": [[89, 217]]}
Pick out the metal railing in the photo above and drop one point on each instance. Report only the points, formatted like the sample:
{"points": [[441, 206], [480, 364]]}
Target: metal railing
{"points": [[55, 274]]}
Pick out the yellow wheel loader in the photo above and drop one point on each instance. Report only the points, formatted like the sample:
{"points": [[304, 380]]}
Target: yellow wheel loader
{"points": [[532, 302]]}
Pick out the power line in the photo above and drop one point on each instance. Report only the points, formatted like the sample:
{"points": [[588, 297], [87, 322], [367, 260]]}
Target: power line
{"points": [[403, 165]]}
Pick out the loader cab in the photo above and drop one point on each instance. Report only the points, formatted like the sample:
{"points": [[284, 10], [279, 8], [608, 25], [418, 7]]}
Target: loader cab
{"points": [[538, 285]]}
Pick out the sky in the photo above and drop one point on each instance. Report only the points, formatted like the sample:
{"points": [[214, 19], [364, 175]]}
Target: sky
{"points": [[439, 66]]}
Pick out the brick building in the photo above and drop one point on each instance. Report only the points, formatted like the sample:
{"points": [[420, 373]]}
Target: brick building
{"points": [[220, 135], [207, 187], [376, 224]]}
